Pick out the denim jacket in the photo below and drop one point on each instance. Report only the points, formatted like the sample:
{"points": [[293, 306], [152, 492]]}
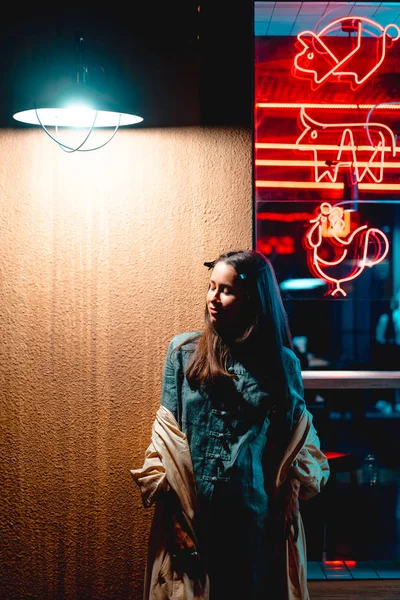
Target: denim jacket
{"points": [[168, 459], [227, 430], [228, 435]]}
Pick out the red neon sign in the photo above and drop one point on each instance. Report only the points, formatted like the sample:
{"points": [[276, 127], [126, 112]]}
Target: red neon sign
{"points": [[367, 147], [322, 61], [359, 242], [314, 129]]}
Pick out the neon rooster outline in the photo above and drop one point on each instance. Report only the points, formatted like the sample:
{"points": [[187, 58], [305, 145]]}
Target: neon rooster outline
{"points": [[312, 125], [334, 214], [340, 63]]}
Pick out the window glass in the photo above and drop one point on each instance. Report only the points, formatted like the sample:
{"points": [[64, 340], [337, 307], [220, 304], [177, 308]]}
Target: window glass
{"points": [[327, 175]]}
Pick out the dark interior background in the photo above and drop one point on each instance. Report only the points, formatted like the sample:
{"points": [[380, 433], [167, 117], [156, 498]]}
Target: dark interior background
{"points": [[171, 62]]}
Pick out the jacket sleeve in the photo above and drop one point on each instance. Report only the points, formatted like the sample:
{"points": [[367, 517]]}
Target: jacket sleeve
{"points": [[311, 467], [295, 384], [172, 381]]}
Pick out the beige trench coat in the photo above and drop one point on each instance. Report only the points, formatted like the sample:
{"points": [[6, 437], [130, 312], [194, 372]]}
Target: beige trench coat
{"points": [[168, 463]]}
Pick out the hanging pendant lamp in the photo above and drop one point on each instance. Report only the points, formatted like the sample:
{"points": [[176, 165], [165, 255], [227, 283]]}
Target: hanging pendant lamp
{"points": [[79, 107]]}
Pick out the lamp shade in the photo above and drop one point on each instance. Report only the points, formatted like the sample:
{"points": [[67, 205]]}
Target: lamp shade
{"points": [[77, 106]]}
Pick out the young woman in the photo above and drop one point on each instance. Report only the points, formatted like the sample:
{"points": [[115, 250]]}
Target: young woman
{"points": [[233, 448]]}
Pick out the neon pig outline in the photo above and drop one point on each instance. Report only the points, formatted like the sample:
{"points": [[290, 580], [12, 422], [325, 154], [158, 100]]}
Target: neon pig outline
{"points": [[341, 63]]}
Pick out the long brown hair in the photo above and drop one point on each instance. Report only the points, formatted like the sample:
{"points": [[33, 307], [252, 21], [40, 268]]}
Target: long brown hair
{"points": [[265, 326]]}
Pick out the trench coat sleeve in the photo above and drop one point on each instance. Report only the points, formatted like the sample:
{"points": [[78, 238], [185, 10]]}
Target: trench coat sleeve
{"points": [[311, 466], [303, 459], [168, 456], [151, 478]]}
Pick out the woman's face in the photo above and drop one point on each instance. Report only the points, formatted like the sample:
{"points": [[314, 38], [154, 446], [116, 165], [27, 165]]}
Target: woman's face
{"points": [[225, 295]]}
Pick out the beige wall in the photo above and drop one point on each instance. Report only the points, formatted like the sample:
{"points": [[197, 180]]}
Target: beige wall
{"points": [[101, 264]]}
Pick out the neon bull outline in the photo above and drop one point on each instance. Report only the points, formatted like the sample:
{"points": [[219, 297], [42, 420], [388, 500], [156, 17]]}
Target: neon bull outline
{"points": [[340, 67], [346, 144]]}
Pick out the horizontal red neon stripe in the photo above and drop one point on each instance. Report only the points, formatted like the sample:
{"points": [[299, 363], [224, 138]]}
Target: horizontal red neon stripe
{"points": [[379, 186], [326, 186], [288, 218], [327, 106], [282, 146], [299, 184], [319, 163]]}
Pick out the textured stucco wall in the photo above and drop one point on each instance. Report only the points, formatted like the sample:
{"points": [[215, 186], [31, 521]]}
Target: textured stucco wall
{"points": [[101, 263]]}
